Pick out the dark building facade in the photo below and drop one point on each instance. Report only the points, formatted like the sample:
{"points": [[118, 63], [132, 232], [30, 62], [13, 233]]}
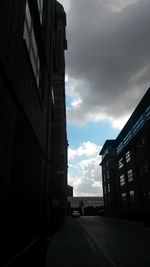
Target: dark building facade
{"points": [[131, 164], [27, 117], [69, 191], [109, 173], [58, 128]]}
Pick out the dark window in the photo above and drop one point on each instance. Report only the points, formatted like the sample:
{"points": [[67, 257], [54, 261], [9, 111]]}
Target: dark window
{"points": [[30, 40], [132, 196], [140, 143], [144, 168], [104, 190], [124, 197]]}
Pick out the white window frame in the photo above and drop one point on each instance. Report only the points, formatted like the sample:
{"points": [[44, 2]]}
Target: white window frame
{"points": [[130, 174], [128, 156], [122, 180], [120, 163]]}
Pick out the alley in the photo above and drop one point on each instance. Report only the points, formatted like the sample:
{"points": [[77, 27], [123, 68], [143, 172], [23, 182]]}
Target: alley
{"points": [[71, 247], [99, 241]]}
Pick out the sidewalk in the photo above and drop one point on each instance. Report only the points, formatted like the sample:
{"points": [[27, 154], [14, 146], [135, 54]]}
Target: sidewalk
{"points": [[70, 247]]}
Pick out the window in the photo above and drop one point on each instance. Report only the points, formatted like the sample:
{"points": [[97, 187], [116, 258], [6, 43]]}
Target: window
{"points": [[145, 195], [147, 113], [140, 143], [120, 163], [132, 196], [130, 175], [143, 168], [146, 167], [128, 156], [127, 138], [104, 190], [108, 187], [124, 197], [122, 180], [138, 125], [30, 40], [104, 177], [119, 148]]}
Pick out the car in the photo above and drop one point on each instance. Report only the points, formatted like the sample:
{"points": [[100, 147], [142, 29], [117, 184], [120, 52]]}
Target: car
{"points": [[75, 214]]}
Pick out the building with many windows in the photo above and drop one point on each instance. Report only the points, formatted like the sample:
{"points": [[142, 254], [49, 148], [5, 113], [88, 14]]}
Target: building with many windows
{"points": [[131, 163], [32, 44], [110, 184]]}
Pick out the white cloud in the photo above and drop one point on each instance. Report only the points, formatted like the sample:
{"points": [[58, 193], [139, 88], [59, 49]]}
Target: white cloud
{"points": [[76, 103], [97, 184], [86, 149], [74, 181], [87, 181], [118, 5], [120, 122], [90, 168]]}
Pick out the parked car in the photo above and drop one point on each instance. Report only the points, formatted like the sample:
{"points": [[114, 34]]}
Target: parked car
{"points": [[75, 214]]}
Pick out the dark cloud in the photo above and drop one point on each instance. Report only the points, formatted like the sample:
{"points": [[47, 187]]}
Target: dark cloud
{"points": [[108, 55]]}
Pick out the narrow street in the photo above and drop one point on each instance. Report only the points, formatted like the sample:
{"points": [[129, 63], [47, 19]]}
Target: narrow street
{"points": [[123, 243], [95, 241]]}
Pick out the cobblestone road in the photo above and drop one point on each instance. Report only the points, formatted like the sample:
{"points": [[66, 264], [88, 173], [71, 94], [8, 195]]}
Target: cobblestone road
{"points": [[124, 243]]}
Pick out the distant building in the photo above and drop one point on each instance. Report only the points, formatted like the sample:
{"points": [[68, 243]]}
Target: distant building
{"points": [[86, 205], [32, 123], [126, 185]]}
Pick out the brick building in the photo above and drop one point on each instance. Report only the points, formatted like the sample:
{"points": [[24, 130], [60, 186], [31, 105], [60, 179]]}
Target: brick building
{"points": [[130, 184], [27, 116]]}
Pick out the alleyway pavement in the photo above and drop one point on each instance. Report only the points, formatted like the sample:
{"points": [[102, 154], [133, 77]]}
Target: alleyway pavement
{"points": [[71, 247], [124, 243]]}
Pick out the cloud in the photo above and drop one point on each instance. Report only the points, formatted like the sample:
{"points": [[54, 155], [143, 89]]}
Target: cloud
{"points": [[86, 149], [91, 168], [82, 186], [108, 58], [85, 172]]}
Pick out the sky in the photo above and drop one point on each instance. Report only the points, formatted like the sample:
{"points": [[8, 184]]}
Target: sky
{"points": [[107, 74]]}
